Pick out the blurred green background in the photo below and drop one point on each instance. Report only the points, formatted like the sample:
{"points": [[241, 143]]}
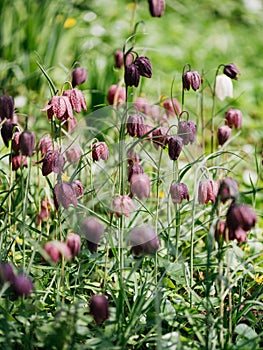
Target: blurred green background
{"points": [[58, 33]]}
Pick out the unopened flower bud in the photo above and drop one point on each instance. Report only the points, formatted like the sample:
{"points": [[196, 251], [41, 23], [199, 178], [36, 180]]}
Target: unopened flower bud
{"points": [[6, 107], [122, 205], [140, 185], [56, 249], [231, 71], [79, 76], [64, 195], [22, 285], [240, 218], [27, 142], [223, 134], [144, 66], [156, 7], [172, 107], [175, 146], [93, 231], [228, 189], [233, 118], [179, 192], [207, 191], [131, 75], [7, 131], [135, 125], [100, 151], [74, 243], [143, 240], [99, 308], [116, 95], [187, 131], [191, 79]]}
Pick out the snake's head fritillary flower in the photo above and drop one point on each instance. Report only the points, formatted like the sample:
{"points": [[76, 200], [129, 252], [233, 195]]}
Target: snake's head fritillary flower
{"points": [[56, 249], [93, 231], [231, 71], [156, 7], [172, 107], [223, 134], [143, 241], [187, 131], [132, 75], [140, 185], [116, 95], [22, 285], [191, 79], [59, 106], [144, 66], [99, 308], [233, 118], [179, 192], [7, 107], [6, 273], [224, 87], [64, 195], [122, 205], [228, 190], [175, 146], [18, 161], [207, 191], [45, 144], [53, 162], [73, 241], [76, 99], [27, 142], [100, 151], [79, 76], [160, 137], [135, 125], [7, 131]]}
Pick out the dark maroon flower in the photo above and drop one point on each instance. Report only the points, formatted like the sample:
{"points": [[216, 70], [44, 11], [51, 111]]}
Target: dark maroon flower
{"points": [[53, 162], [144, 66], [131, 75], [223, 134], [93, 231], [7, 107], [135, 125], [60, 107], [116, 95], [15, 141], [100, 151], [23, 286], [18, 161], [56, 249], [79, 76], [175, 146], [143, 240], [99, 308], [6, 273], [172, 107], [74, 243], [140, 185], [187, 131], [122, 205], [207, 191], [191, 79], [231, 71], [160, 137], [7, 131], [27, 141], [64, 195], [228, 189], [179, 192], [240, 218], [233, 118], [156, 7], [76, 99]]}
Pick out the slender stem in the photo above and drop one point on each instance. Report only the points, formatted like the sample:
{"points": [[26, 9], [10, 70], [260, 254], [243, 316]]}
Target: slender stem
{"points": [[202, 112]]}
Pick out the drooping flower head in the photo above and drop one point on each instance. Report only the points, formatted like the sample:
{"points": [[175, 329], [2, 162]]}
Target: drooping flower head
{"points": [[116, 95], [27, 141], [187, 131], [175, 146], [64, 195], [76, 99], [191, 79], [223, 134], [7, 107], [231, 71], [233, 118], [207, 191], [100, 151], [79, 76], [179, 192], [143, 240], [156, 7], [99, 308], [60, 107], [140, 185], [93, 232], [122, 205]]}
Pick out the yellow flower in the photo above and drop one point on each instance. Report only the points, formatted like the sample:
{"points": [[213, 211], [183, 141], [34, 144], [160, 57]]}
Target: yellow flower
{"points": [[69, 22], [258, 278]]}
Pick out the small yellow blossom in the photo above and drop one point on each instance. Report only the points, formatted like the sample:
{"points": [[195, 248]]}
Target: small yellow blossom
{"points": [[258, 278], [70, 22]]}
